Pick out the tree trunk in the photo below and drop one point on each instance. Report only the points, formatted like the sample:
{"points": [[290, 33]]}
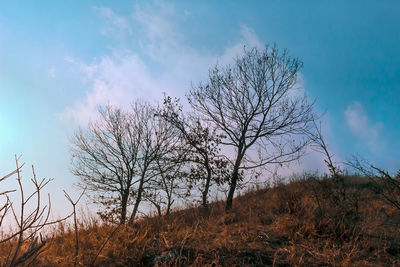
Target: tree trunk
{"points": [[232, 188], [138, 199], [124, 204], [206, 187], [158, 207], [234, 179]]}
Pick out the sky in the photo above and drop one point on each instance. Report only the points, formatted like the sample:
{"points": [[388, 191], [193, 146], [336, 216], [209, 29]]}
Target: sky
{"points": [[59, 60]]}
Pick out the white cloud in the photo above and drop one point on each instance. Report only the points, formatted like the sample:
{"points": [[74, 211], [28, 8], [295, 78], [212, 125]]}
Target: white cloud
{"points": [[52, 72], [114, 25], [127, 73], [361, 127], [70, 59], [157, 22], [248, 38], [114, 80]]}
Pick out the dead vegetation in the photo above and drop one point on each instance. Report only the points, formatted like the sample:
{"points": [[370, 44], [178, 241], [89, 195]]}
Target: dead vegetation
{"points": [[294, 224]]}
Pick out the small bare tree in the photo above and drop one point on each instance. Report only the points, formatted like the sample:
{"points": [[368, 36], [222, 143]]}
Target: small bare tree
{"points": [[157, 143], [253, 104], [30, 218], [167, 186], [335, 199], [319, 145], [385, 184], [200, 148]]}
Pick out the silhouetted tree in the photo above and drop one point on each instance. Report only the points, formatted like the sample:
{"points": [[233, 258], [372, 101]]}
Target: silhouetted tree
{"points": [[115, 157], [105, 157], [157, 145], [253, 104], [167, 186], [200, 148], [319, 145]]}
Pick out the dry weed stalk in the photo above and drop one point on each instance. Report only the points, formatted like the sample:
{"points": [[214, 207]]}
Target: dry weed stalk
{"points": [[74, 203]]}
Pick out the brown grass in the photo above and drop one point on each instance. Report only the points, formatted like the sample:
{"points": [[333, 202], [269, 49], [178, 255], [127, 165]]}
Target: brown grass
{"points": [[298, 224]]}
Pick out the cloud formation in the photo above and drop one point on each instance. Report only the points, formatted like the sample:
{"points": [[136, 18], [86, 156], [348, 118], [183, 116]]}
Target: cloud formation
{"points": [[114, 80], [114, 26], [362, 128], [157, 60]]}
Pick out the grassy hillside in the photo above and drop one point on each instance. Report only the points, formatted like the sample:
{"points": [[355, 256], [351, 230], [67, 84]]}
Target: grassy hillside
{"points": [[307, 222]]}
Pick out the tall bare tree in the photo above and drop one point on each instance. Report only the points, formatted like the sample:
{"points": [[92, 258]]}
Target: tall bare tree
{"points": [[253, 103]]}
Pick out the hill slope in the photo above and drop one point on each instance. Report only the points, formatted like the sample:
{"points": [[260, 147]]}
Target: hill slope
{"points": [[305, 223]]}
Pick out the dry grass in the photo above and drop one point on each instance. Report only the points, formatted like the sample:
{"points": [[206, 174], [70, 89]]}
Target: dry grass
{"points": [[298, 224]]}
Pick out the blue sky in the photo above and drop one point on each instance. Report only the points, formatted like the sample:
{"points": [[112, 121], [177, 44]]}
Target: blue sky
{"points": [[60, 59]]}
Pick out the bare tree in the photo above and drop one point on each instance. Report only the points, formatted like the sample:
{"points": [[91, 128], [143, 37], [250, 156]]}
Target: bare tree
{"points": [[104, 157], [200, 147], [30, 218], [334, 198], [167, 186], [253, 103], [158, 141], [319, 145], [115, 157]]}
